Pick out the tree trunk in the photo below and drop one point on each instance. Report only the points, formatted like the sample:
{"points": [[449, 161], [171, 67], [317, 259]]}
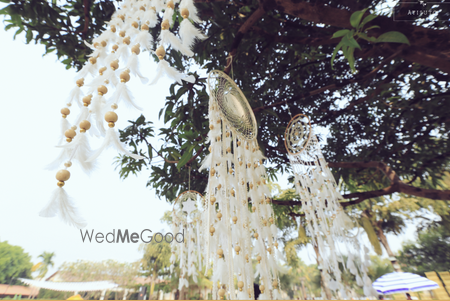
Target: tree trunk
{"points": [[182, 294], [384, 242], [152, 286], [323, 283], [303, 288]]}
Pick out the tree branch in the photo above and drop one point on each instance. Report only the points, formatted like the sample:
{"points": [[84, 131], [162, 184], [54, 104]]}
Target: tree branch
{"points": [[330, 87], [255, 16], [397, 185]]}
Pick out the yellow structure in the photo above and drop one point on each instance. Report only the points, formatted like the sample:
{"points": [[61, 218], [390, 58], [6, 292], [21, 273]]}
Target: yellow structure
{"points": [[440, 293]]}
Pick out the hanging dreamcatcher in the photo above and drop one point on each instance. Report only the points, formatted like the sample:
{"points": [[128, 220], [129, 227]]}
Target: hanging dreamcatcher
{"points": [[187, 215], [113, 62], [239, 215], [326, 220]]}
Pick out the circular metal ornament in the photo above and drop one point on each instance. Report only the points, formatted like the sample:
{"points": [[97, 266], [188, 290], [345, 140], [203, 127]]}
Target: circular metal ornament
{"points": [[233, 104], [297, 134], [185, 199]]}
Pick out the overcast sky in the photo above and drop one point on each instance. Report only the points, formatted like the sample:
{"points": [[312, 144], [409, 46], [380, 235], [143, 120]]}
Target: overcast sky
{"points": [[33, 90]]}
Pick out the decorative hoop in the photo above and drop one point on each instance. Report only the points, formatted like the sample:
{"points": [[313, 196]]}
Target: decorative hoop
{"points": [[295, 141], [192, 194], [232, 103]]}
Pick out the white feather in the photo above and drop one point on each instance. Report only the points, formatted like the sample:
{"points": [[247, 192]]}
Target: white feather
{"points": [[168, 38], [145, 39], [123, 93], [64, 125], [263, 297], [133, 65], [168, 14], [84, 113], [206, 163], [112, 139], [189, 4], [159, 5], [61, 204], [242, 296], [150, 17], [63, 156], [75, 96], [122, 52], [189, 33], [97, 108], [164, 68], [83, 152]]}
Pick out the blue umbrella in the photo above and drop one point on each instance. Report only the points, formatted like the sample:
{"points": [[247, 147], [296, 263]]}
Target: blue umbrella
{"points": [[403, 282]]}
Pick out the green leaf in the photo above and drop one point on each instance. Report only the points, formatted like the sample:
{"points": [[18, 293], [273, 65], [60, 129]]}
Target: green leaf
{"points": [[335, 52], [350, 41], [367, 19], [364, 36], [393, 37], [185, 158], [340, 33], [29, 36], [371, 27], [356, 17]]}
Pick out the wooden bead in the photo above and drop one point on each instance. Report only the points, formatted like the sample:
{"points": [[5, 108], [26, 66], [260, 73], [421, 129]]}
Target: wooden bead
{"points": [[69, 134], [122, 17], [259, 260], [124, 77], [232, 192], [126, 40], [185, 13], [275, 244], [212, 200], [102, 90], [65, 112], [240, 285], [80, 82], [87, 100], [237, 249], [103, 43], [122, 33], [60, 184], [85, 125], [219, 216], [220, 253], [269, 249], [114, 106], [275, 284], [256, 235], [114, 64], [160, 52], [93, 60], [212, 230], [234, 219], [144, 27], [262, 287], [111, 124], [219, 186], [135, 24], [246, 257], [221, 293], [271, 220], [101, 70], [63, 175], [136, 49], [165, 25], [113, 28], [115, 47], [111, 116], [170, 4], [253, 208], [142, 8]]}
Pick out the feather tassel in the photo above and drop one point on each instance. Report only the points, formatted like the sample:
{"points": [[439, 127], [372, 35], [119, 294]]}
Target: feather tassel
{"points": [[62, 205], [145, 39], [123, 93], [80, 145], [165, 69], [189, 4], [189, 33], [168, 14], [112, 139], [64, 127], [150, 18], [168, 38], [133, 65], [75, 96]]}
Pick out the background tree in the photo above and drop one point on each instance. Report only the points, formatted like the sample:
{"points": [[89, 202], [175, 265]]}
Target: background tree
{"points": [[156, 261], [431, 252], [46, 262], [124, 274], [14, 263]]}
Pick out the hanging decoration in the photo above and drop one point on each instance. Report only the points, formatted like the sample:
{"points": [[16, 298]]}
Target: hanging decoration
{"points": [[111, 65], [187, 218], [239, 215], [326, 220]]}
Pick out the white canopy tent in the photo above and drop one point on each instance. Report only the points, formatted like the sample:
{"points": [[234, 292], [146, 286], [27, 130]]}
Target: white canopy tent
{"points": [[73, 286]]}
